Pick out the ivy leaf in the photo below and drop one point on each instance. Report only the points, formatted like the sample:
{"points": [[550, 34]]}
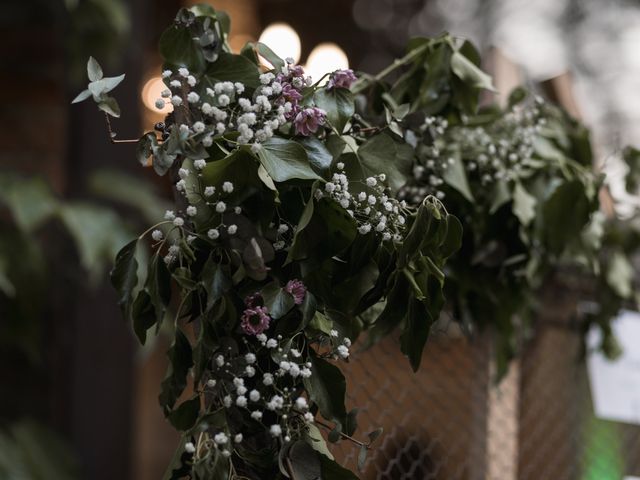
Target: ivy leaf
{"points": [[145, 147], [143, 315], [500, 195], [305, 461], [270, 56], [94, 71], [456, 177], [327, 388], [30, 201], [277, 301], [215, 281], [470, 73], [338, 104], [124, 277], [620, 274], [566, 212], [285, 160], [185, 415], [524, 205], [334, 471], [158, 286], [382, 154], [234, 68], [416, 331], [179, 49], [180, 361], [319, 156], [316, 440]]}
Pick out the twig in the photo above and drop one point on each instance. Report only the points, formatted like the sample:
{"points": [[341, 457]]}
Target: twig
{"points": [[290, 468], [343, 435], [112, 135]]}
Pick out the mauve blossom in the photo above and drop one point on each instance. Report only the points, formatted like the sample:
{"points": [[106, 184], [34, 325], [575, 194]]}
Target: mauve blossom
{"points": [[255, 320], [308, 120], [291, 93], [297, 290], [341, 79], [252, 300]]}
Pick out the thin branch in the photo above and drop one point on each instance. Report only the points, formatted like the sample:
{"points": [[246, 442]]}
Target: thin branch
{"points": [[112, 135], [343, 435]]}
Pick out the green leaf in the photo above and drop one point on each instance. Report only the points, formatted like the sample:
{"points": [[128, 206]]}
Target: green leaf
{"points": [[270, 56], [180, 361], [319, 157], [620, 274], [327, 388], [234, 68], [94, 72], [216, 281], [305, 461], [334, 471], [277, 301], [285, 160], [110, 106], [456, 177], [143, 315], [179, 49], [524, 205], [124, 276], [362, 457], [30, 201], [382, 154], [338, 104], [316, 440], [185, 415], [416, 331], [468, 72], [158, 286], [500, 195], [565, 214], [97, 232], [82, 96]]}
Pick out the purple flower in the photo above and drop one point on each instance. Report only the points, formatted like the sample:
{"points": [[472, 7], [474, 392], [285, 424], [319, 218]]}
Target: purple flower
{"points": [[341, 79], [308, 120], [297, 290], [290, 94], [296, 71], [252, 300], [255, 320]]}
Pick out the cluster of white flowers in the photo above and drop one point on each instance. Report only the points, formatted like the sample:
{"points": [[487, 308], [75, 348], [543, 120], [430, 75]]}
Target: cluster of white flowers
{"points": [[225, 107], [211, 197], [239, 382], [372, 207], [501, 150]]}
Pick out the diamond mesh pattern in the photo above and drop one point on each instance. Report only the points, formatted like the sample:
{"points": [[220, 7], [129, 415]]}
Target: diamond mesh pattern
{"points": [[450, 422]]}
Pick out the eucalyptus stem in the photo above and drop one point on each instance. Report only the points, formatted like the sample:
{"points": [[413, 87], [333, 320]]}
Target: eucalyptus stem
{"points": [[343, 435]]}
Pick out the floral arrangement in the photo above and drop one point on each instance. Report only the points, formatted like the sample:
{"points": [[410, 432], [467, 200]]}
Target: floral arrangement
{"points": [[308, 213], [286, 231], [509, 175]]}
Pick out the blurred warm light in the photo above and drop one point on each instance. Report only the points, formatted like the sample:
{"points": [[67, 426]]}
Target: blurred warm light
{"points": [[325, 58], [237, 42], [282, 39], [151, 92]]}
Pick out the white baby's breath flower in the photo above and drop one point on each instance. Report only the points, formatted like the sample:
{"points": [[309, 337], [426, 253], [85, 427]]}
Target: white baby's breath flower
{"points": [[227, 187], [167, 74], [200, 163], [198, 127], [209, 191], [213, 233], [159, 103], [275, 430], [176, 101], [221, 207], [232, 229], [183, 72], [192, 211], [157, 235], [178, 221], [189, 447]]}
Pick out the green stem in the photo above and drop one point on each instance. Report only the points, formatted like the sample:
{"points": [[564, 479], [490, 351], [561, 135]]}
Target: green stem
{"points": [[397, 63]]}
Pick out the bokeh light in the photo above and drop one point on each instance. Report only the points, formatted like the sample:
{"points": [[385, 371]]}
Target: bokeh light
{"points": [[283, 40]]}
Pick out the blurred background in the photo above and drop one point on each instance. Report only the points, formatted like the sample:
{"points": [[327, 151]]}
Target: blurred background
{"points": [[78, 396]]}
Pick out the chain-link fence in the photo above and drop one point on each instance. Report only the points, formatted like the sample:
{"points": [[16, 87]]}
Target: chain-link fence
{"points": [[450, 421]]}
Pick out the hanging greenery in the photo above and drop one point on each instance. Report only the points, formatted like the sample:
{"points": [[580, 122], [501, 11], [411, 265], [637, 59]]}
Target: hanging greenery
{"points": [[307, 213]]}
